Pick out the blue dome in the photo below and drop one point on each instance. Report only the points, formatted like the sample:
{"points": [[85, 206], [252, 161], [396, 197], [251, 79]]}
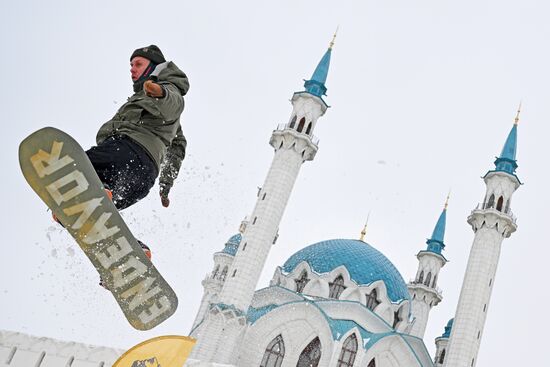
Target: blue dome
{"points": [[232, 244], [364, 263]]}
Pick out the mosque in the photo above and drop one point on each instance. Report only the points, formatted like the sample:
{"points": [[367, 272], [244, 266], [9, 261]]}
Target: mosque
{"points": [[338, 302]]}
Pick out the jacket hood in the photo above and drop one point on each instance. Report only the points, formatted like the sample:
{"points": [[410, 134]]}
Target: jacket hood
{"points": [[169, 72]]}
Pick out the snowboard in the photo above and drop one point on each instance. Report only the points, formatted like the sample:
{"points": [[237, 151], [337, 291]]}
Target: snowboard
{"points": [[59, 171]]}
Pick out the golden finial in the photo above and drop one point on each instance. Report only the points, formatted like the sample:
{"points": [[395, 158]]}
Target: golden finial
{"points": [[364, 231], [516, 120], [333, 38], [447, 200]]}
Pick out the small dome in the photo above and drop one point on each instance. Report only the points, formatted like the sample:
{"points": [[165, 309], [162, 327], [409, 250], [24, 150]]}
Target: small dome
{"points": [[232, 244], [448, 329], [364, 263]]}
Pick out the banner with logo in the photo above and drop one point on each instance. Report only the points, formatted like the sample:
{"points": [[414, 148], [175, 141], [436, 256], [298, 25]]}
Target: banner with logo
{"points": [[162, 351]]}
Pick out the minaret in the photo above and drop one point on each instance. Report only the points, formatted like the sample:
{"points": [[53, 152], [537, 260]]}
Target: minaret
{"points": [[214, 281], [492, 222], [423, 290], [294, 143]]}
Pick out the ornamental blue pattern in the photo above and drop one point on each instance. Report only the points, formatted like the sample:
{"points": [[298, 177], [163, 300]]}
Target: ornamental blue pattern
{"points": [[363, 262]]}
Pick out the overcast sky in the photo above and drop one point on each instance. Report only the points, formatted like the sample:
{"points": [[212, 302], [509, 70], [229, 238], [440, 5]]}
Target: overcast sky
{"points": [[423, 94]]}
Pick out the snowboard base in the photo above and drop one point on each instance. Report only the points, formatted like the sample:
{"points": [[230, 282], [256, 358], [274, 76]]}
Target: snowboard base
{"points": [[59, 171]]}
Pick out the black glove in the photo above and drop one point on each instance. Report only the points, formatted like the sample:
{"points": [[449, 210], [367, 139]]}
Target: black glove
{"points": [[164, 190]]}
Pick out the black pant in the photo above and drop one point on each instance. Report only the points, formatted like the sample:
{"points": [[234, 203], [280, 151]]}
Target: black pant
{"points": [[125, 168]]}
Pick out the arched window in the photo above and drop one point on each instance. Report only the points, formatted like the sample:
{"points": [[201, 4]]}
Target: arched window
{"points": [[274, 353], [491, 202], [500, 202], [428, 279], [223, 274], [215, 273], [301, 124], [507, 209], [372, 363], [311, 355], [348, 353], [301, 282], [372, 300], [337, 287], [421, 277], [308, 130], [433, 284], [293, 122], [441, 357]]}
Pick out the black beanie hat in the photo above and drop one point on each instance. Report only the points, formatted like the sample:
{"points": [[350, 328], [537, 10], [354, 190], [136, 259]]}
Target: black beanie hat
{"points": [[152, 53]]}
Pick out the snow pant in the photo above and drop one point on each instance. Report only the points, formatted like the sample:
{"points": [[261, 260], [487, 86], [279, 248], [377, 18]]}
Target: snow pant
{"points": [[125, 168]]}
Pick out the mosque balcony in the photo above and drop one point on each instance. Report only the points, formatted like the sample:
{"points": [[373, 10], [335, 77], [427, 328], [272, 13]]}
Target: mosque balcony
{"points": [[312, 138], [417, 284], [491, 207]]}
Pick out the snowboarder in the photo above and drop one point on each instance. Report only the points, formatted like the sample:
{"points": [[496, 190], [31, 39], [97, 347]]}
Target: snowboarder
{"points": [[144, 138]]}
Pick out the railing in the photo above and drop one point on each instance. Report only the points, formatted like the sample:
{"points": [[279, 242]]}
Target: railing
{"points": [[437, 289], [312, 138], [487, 205]]}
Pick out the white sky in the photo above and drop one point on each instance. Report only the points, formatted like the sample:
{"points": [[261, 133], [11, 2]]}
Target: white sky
{"points": [[423, 95]]}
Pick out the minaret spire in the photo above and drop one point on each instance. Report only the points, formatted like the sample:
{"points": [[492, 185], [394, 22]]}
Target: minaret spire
{"points": [[364, 231], [435, 243], [516, 120], [331, 44], [506, 162], [316, 84]]}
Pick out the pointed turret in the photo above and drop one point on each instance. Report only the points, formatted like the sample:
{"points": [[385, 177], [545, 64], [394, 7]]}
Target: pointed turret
{"points": [[316, 85], [448, 329], [435, 243], [506, 162]]}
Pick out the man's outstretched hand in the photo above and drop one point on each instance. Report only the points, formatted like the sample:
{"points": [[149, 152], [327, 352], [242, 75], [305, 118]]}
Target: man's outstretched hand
{"points": [[153, 89]]}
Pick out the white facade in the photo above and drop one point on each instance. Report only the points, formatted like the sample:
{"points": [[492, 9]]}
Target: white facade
{"points": [[22, 350]]}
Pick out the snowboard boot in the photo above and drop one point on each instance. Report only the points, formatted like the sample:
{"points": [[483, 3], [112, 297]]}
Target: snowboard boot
{"points": [[109, 195], [145, 249]]}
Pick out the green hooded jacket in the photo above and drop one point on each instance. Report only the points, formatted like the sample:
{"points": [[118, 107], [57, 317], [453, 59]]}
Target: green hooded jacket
{"points": [[154, 123]]}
